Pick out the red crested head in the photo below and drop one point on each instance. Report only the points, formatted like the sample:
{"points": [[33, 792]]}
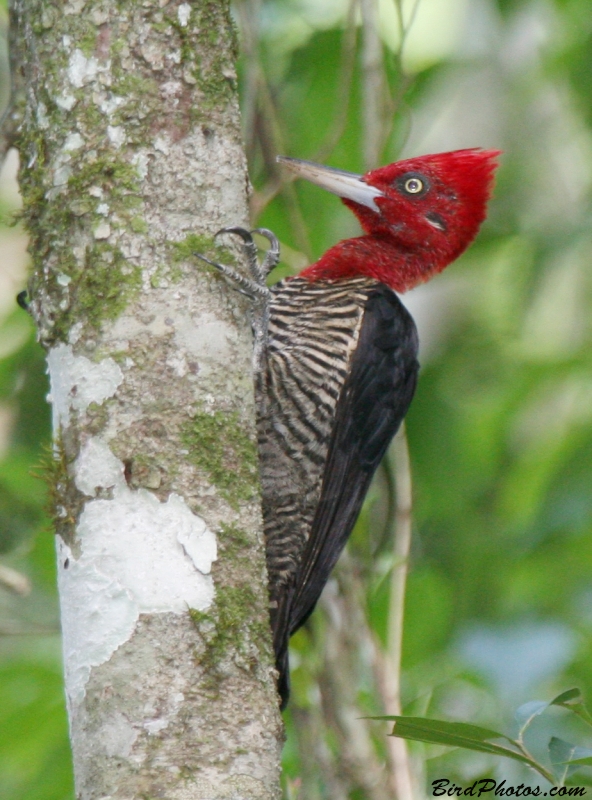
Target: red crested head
{"points": [[419, 215]]}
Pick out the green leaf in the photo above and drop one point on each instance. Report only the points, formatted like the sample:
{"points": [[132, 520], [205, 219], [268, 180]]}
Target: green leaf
{"points": [[560, 754], [459, 734], [454, 734], [566, 697], [572, 700], [565, 753]]}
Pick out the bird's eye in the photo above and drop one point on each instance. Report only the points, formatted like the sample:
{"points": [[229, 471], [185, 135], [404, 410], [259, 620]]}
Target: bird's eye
{"points": [[413, 185]]}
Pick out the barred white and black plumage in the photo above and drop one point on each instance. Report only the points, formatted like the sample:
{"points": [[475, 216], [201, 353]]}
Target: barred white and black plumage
{"points": [[336, 358], [337, 377]]}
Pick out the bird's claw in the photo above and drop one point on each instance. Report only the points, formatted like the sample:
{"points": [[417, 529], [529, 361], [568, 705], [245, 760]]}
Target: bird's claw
{"points": [[241, 284], [255, 286], [259, 271]]}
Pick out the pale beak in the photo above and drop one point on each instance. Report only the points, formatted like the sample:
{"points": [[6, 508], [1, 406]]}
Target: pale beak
{"points": [[337, 181]]}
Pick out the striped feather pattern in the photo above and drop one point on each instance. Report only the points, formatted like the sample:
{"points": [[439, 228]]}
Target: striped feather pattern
{"points": [[313, 330]]}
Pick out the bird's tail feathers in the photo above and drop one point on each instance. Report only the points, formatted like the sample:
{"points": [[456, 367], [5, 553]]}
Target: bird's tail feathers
{"points": [[280, 625]]}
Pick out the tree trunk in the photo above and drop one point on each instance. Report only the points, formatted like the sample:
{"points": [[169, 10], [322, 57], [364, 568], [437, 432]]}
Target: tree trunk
{"points": [[131, 159]]}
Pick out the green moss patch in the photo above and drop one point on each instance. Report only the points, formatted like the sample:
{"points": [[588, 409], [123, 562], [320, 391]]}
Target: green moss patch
{"points": [[100, 291], [231, 629], [195, 244], [220, 447], [234, 541], [53, 470]]}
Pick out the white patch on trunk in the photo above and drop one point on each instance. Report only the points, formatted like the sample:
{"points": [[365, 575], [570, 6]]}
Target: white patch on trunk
{"points": [[81, 70], [102, 231], [66, 101], [111, 104], [97, 468], [137, 556], [206, 340], [183, 14], [116, 135], [117, 736], [73, 142], [76, 381]]}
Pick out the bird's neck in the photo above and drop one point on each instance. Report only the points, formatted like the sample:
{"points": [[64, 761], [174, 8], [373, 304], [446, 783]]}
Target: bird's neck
{"points": [[377, 257]]}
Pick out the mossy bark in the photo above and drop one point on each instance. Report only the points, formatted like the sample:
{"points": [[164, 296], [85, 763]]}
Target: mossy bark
{"points": [[131, 152]]}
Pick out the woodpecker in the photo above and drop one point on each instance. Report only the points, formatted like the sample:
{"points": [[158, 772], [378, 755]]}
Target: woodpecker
{"points": [[336, 359]]}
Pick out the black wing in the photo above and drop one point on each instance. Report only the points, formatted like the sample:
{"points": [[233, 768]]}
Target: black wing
{"points": [[372, 404]]}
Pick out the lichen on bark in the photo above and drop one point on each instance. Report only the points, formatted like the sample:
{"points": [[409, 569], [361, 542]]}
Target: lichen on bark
{"points": [[131, 157]]}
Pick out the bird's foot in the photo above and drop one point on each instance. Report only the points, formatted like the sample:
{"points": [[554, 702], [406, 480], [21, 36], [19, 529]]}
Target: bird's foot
{"points": [[254, 287]]}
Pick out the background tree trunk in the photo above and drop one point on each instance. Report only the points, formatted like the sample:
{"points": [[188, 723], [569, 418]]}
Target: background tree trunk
{"points": [[131, 159]]}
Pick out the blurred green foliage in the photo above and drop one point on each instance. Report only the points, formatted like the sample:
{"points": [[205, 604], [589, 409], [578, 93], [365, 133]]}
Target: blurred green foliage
{"points": [[499, 602], [34, 752]]}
